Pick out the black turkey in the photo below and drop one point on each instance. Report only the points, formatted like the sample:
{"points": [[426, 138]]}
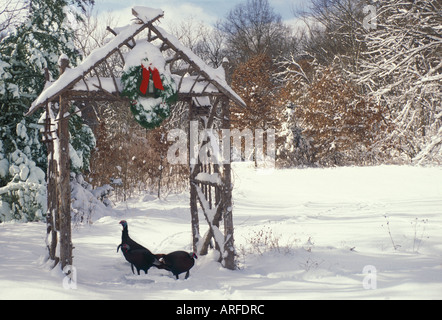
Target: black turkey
{"points": [[135, 253], [125, 239], [177, 262], [141, 259]]}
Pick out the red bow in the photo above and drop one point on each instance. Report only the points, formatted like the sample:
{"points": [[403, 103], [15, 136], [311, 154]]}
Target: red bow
{"points": [[155, 77]]}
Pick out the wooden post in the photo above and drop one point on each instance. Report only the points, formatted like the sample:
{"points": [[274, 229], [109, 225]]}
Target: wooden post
{"points": [[226, 192], [64, 188], [52, 198], [226, 197], [193, 169]]}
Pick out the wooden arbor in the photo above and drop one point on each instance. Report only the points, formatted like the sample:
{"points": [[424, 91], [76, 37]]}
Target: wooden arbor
{"points": [[201, 87]]}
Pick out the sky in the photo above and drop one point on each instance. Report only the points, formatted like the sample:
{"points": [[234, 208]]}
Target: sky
{"points": [[175, 11]]}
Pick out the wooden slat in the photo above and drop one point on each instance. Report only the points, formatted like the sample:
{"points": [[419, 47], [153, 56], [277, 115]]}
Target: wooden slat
{"points": [[113, 77]]}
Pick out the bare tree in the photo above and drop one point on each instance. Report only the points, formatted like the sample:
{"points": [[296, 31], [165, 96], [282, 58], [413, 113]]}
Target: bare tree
{"points": [[208, 42], [334, 28], [253, 28], [212, 47], [402, 69], [11, 14]]}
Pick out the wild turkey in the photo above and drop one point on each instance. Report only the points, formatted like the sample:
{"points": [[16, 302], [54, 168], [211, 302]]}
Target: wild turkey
{"points": [[125, 239], [142, 259], [177, 262], [135, 253]]}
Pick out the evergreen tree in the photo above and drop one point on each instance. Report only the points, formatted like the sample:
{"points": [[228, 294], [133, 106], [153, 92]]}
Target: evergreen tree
{"points": [[25, 53]]}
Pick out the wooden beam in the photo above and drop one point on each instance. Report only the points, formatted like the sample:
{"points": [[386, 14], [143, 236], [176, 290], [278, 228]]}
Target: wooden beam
{"points": [[184, 95], [115, 34], [213, 222], [114, 80], [226, 198], [52, 197], [99, 95], [193, 192], [63, 181]]}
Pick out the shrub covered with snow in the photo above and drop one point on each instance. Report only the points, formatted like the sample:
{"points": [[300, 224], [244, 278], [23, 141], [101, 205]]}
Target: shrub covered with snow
{"points": [[89, 204], [22, 165], [24, 197]]}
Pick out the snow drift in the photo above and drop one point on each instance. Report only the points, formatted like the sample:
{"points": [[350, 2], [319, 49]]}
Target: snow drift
{"points": [[342, 233]]}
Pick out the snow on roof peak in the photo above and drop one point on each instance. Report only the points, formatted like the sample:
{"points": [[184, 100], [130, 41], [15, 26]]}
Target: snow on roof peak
{"points": [[146, 14], [62, 57]]}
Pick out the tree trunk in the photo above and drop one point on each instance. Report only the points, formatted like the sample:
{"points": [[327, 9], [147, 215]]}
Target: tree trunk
{"points": [[52, 198], [64, 188], [229, 248], [193, 169]]}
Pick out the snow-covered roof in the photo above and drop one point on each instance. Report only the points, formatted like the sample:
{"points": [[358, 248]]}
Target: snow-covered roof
{"points": [[207, 81], [215, 76]]}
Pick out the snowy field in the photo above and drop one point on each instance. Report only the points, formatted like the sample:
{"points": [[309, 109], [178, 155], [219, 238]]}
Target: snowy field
{"points": [[342, 233]]}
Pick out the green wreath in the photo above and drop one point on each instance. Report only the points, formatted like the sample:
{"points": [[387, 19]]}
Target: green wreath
{"points": [[149, 109]]}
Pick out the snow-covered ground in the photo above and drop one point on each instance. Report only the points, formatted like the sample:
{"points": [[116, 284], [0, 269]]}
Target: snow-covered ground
{"points": [[342, 233]]}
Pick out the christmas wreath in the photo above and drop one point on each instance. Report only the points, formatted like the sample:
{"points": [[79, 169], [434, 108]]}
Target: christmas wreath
{"points": [[150, 93]]}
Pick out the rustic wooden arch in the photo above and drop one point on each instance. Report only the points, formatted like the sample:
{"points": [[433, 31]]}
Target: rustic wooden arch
{"points": [[210, 183]]}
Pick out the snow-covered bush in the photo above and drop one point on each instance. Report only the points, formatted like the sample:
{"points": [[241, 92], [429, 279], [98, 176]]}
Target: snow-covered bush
{"points": [[4, 164], [88, 204], [22, 176], [24, 197]]}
